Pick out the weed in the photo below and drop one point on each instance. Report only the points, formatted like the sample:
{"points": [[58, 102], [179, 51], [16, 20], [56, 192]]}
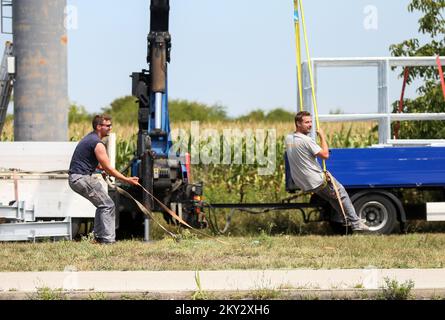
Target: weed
{"points": [[264, 294], [393, 290], [199, 294], [286, 286], [88, 238], [46, 293], [309, 296], [363, 296], [186, 234], [97, 296], [265, 239]]}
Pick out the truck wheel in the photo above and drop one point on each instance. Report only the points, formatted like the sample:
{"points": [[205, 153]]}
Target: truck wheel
{"points": [[379, 212]]}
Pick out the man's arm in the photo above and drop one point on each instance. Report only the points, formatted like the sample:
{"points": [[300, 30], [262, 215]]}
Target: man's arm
{"points": [[324, 153], [102, 157]]}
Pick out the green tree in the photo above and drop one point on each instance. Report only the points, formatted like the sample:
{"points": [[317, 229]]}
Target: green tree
{"points": [[336, 111], [77, 113], [432, 24], [279, 114], [254, 116], [274, 115], [183, 110], [124, 110]]}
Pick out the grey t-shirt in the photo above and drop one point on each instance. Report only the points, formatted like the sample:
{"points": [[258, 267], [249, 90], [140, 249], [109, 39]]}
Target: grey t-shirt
{"points": [[304, 168]]}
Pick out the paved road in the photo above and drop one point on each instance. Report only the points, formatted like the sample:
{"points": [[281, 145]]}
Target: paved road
{"points": [[230, 280]]}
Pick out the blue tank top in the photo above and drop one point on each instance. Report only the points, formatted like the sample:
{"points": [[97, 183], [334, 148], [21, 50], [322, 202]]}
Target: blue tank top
{"points": [[84, 159]]}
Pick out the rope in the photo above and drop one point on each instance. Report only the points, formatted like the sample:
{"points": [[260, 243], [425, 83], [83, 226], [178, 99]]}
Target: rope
{"points": [[311, 76], [314, 98], [298, 52], [214, 223], [163, 206], [140, 206], [151, 215], [331, 179], [442, 80], [175, 216]]}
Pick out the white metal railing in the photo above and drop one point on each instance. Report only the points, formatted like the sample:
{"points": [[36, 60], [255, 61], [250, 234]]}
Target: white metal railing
{"points": [[385, 115], [6, 15]]}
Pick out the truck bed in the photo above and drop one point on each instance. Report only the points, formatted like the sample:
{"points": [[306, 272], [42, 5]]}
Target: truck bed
{"points": [[379, 167]]}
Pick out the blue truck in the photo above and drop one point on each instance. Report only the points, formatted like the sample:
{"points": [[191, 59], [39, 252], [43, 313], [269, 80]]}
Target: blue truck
{"points": [[395, 180], [387, 185]]}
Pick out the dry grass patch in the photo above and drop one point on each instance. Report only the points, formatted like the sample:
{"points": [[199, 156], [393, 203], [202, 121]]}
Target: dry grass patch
{"points": [[262, 252]]}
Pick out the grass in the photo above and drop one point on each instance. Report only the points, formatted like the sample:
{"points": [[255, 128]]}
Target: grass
{"points": [[279, 252], [393, 290], [46, 293], [200, 294], [265, 294]]}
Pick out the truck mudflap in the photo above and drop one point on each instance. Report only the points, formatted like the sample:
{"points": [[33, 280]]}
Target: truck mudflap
{"points": [[435, 211]]}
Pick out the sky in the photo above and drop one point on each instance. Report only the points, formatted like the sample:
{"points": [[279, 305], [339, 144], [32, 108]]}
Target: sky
{"points": [[239, 54]]}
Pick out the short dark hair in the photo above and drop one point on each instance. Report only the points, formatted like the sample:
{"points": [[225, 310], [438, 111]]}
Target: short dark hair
{"points": [[300, 115], [99, 119]]}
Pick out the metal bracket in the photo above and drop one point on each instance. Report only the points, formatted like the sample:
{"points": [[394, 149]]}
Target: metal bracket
{"points": [[5, 4], [17, 212]]}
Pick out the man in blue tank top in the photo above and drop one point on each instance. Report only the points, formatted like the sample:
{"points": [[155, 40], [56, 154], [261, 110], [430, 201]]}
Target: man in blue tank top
{"points": [[89, 153]]}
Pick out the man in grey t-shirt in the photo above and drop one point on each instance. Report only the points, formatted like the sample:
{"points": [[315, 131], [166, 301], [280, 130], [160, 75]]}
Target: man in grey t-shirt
{"points": [[302, 153]]}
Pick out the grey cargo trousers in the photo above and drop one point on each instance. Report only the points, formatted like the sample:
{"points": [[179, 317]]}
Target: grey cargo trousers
{"points": [[90, 188], [327, 192]]}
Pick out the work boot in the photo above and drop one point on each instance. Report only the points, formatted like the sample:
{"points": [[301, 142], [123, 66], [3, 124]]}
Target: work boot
{"points": [[361, 226], [102, 241]]}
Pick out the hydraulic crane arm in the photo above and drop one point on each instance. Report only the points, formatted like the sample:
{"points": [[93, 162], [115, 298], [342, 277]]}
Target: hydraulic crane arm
{"points": [[165, 176], [159, 45], [150, 87], [159, 14]]}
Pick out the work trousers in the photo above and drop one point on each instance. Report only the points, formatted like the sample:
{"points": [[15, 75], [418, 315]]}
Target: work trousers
{"points": [[89, 187], [327, 192]]}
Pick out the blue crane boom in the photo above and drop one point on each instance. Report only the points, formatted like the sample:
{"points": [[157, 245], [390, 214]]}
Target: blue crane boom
{"points": [[165, 176]]}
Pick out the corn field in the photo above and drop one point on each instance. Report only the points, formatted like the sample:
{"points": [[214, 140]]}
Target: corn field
{"points": [[237, 182]]}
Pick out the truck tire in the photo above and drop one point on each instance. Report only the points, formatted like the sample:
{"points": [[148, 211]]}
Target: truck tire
{"points": [[379, 212]]}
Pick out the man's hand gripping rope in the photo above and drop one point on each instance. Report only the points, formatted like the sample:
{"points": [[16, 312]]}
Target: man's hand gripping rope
{"points": [[151, 215]]}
